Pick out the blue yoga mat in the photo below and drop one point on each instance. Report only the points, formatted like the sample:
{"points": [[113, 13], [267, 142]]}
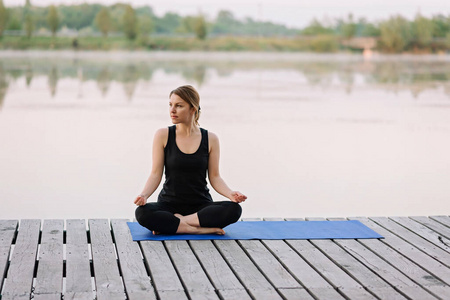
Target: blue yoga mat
{"points": [[270, 230]]}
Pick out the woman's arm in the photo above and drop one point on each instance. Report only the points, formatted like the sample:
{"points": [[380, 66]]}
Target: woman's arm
{"points": [[214, 175], [153, 181]]}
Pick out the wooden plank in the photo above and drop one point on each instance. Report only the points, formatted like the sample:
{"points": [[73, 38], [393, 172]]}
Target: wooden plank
{"points": [[433, 225], [298, 267], [23, 260], [414, 239], [136, 280], [246, 271], [329, 270], [107, 278], [301, 270], [189, 270], [424, 232], [49, 276], [357, 268], [269, 265], [442, 219], [437, 270], [295, 294], [393, 267], [78, 270], [162, 271], [8, 230], [223, 278]]}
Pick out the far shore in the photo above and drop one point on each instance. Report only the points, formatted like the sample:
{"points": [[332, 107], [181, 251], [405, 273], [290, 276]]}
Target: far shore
{"points": [[214, 55]]}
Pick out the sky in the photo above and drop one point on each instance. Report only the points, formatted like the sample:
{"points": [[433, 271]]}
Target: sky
{"points": [[292, 13]]}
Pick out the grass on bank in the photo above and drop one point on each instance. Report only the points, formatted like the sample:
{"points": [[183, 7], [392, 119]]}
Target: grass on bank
{"points": [[323, 43]]}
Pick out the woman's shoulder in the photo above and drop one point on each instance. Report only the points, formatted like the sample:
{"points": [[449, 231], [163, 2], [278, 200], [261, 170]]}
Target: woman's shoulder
{"points": [[161, 135], [213, 138], [162, 131]]}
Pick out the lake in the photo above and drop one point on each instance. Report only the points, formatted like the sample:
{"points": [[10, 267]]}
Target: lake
{"points": [[302, 135]]}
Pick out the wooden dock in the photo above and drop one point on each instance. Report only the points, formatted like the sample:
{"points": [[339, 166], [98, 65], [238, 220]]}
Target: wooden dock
{"points": [[96, 259]]}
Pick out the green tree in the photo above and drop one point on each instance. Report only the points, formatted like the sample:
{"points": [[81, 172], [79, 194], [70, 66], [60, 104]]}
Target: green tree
{"points": [[145, 25], [53, 19], [78, 16], [348, 28], [441, 25], [14, 22], [226, 23], [103, 21], [28, 19], [168, 23], [130, 23], [316, 28], [3, 17], [395, 34], [187, 25], [422, 29], [200, 27]]}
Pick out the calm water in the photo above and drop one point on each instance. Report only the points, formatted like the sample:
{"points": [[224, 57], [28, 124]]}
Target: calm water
{"points": [[301, 135]]}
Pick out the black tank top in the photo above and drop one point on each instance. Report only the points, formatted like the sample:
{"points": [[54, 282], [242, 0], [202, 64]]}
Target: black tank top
{"points": [[185, 173]]}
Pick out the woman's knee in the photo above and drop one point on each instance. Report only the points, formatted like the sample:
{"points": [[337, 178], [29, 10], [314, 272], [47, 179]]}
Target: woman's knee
{"points": [[234, 211], [144, 212], [140, 214]]}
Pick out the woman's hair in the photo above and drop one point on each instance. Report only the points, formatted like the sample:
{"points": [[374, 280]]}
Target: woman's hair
{"points": [[191, 96]]}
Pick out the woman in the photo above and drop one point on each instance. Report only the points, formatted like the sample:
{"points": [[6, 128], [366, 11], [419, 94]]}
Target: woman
{"points": [[186, 152]]}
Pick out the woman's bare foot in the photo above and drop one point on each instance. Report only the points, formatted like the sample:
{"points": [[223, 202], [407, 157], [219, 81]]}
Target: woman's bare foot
{"points": [[186, 228], [155, 232]]}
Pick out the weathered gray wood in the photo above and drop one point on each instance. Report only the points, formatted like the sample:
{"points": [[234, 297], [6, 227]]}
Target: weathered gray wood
{"points": [[442, 219], [424, 232], [246, 271], [170, 295], [137, 282], [107, 278], [295, 294], [79, 296], [233, 294], [329, 270], [412, 238], [301, 270], [21, 268], [8, 230], [50, 272], [392, 267], [433, 225], [294, 219], [269, 265], [413, 254], [359, 268], [78, 270], [189, 269], [223, 278], [162, 271]]}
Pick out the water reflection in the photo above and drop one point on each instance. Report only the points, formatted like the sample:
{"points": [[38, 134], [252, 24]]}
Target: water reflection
{"points": [[3, 85], [415, 76]]}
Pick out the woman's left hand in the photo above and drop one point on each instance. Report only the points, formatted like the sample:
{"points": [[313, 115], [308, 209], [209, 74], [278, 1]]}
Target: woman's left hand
{"points": [[237, 197]]}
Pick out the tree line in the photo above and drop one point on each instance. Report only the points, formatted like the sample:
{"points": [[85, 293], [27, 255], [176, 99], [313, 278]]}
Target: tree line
{"points": [[395, 34]]}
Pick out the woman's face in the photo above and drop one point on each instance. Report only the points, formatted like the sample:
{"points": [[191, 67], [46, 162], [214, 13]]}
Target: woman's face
{"points": [[180, 111]]}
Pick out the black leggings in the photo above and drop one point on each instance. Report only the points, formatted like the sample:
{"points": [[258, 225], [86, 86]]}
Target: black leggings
{"points": [[159, 217]]}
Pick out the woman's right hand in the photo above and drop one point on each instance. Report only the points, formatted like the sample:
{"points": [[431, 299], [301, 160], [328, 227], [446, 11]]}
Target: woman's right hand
{"points": [[140, 200]]}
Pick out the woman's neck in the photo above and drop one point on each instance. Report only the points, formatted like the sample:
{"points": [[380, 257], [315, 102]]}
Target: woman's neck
{"points": [[187, 130]]}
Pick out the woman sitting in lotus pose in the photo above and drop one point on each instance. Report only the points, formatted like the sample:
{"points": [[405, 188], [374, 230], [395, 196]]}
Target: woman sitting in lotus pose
{"points": [[187, 153]]}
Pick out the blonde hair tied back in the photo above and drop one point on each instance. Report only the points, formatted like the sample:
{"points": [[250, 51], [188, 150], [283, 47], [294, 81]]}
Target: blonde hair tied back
{"points": [[189, 94]]}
